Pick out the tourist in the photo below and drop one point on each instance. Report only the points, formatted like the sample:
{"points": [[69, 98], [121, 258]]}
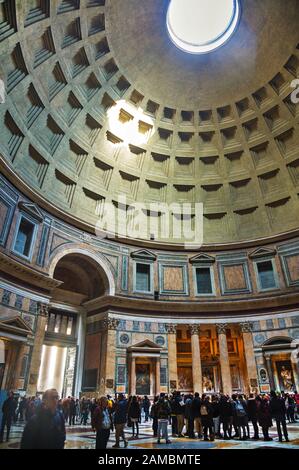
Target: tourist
{"points": [[101, 422], [290, 406], [174, 421], [84, 411], [146, 407], [180, 413], [46, 429], [278, 412], [8, 412], [226, 416], [216, 416], [252, 415], [206, 413], [134, 413], [196, 403], [120, 420], [72, 411], [264, 416], [154, 417], [240, 414], [163, 412], [189, 417]]}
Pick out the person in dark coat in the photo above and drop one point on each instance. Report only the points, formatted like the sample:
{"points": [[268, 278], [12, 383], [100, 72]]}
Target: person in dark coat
{"points": [[134, 413], [146, 404], [196, 403], [154, 416], [189, 417], [206, 412], [174, 421], [278, 412], [8, 412], [264, 416], [226, 416], [72, 411], [252, 414], [46, 429], [120, 420], [101, 422]]}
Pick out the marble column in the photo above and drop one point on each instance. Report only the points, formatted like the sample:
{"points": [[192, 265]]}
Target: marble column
{"points": [[172, 357], [196, 360], [157, 376], [18, 369], [224, 359], [107, 379], [133, 376], [36, 355], [246, 329], [270, 372]]}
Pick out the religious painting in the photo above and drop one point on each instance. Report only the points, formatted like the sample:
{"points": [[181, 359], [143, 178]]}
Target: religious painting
{"points": [[143, 379], [285, 376], [205, 348], [235, 377], [263, 376], [185, 379], [208, 379]]}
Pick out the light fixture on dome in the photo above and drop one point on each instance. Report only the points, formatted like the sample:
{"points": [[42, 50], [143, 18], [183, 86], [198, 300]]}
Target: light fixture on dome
{"points": [[201, 26]]}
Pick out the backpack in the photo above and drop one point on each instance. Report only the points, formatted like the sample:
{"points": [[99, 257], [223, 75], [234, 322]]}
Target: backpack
{"points": [[240, 410], [203, 410]]}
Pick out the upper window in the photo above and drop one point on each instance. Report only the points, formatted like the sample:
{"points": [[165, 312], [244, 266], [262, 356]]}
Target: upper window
{"points": [[204, 281], [143, 277], [266, 275], [201, 26], [25, 236]]}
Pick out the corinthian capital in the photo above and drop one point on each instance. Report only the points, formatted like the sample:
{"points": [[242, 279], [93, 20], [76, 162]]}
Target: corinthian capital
{"points": [[194, 329], [110, 323], [246, 327], [171, 328], [42, 309], [221, 328]]}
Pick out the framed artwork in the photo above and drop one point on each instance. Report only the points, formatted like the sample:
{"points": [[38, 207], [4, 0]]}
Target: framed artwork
{"points": [[185, 379], [235, 377], [143, 379], [285, 376], [208, 379], [205, 348], [263, 376]]}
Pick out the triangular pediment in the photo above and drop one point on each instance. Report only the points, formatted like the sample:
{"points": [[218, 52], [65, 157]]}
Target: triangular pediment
{"points": [[202, 258], [144, 255], [262, 252], [146, 344], [32, 209], [16, 322]]}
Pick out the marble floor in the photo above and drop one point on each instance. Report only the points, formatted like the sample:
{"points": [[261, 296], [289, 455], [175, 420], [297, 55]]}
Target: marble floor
{"points": [[82, 437]]}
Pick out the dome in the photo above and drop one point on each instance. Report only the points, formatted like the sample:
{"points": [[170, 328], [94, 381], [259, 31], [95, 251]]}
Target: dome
{"points": [[102, 107]]}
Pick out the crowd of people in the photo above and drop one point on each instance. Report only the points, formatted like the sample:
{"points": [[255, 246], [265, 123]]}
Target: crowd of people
{"points": [[206, 417]]}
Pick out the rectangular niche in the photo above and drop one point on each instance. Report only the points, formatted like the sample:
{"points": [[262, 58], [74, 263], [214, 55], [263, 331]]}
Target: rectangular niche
{"points": [[186, 142], [184, 193], [187, 118], [93, 203], [132, 156], [288, 143], [128, 184], [164, 137], [159, 164], [293, 107], [184, 167], [230, 137], [216, 224], [276, 118], [293, 169], [236, 164], [206, 118], [155, 191], [136, 97], [62, 189], [36, 167], [244, 108], [281, 214], [242, 191], [208, 143], [253, 130], [261, 154], [225, 114], [100, 174], [169, 115], [250, 222], [271, 183], [212, 197], [264, 97], [209, 166]]}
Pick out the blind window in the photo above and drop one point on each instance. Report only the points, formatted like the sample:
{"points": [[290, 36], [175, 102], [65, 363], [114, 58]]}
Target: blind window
{"points": [[203, 280]]}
